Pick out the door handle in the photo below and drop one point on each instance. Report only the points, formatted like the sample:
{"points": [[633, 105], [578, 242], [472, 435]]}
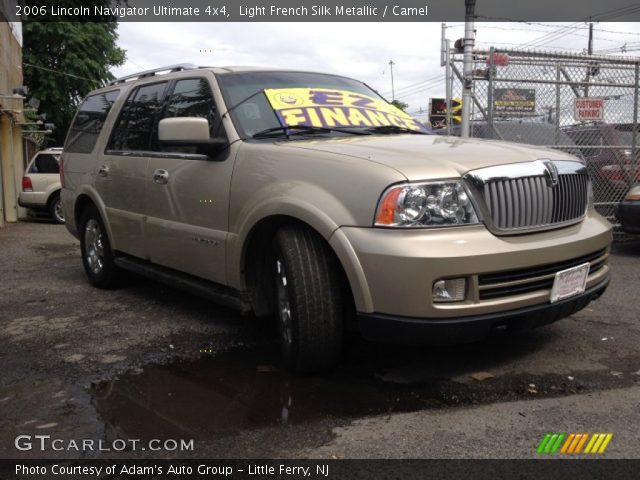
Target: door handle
{"points": [[103, 171], [161, 176]]}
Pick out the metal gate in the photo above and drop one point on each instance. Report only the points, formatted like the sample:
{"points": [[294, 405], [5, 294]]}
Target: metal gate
{"points": [[584, 105]]}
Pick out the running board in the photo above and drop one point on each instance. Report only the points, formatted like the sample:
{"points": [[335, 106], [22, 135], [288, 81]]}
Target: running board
{"points": [[226, 296]]}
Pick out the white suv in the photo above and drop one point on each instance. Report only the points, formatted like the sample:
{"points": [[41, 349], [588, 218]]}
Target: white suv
{"points": [[41, 184]]}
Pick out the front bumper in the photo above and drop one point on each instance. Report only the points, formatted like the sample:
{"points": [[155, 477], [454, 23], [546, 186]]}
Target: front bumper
{"points": [[434, 331], [392, 271]]}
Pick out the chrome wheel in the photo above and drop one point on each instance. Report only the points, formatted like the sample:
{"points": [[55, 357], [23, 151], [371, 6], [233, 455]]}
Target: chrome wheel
{"points": [[284, 305], [58, 213], [94, 247]]}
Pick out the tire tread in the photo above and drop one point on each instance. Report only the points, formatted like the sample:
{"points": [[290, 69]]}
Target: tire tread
{"points": [[316, 299]]}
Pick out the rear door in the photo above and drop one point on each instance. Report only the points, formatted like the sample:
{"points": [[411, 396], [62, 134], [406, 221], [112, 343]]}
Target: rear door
{"points": [[188, 193]]}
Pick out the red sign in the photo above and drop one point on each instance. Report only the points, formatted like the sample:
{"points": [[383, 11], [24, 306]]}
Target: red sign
{"points": [[589, 109], [499, 59]]}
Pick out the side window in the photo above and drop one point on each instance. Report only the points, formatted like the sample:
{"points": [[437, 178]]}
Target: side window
{"points": [[191, 98], [45, 163], [88, 122], [136, 127]]}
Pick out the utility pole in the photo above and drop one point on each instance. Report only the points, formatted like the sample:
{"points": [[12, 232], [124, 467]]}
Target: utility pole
{"points": [[590, 52], [469, 42], [393, 90]]}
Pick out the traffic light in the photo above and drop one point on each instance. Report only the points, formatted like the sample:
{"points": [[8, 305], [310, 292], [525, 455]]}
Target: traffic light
{"points": [[438, 112]]}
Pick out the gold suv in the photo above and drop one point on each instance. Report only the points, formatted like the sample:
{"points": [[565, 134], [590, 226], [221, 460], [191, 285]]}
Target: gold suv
{"points": [[308, 196]]}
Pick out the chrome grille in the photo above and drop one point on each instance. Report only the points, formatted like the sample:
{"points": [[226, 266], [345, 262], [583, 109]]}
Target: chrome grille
{"points": [[531, 202], [531, 196]]}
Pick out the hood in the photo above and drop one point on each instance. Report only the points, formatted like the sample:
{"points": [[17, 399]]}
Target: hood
{"points": [[420, 157]]}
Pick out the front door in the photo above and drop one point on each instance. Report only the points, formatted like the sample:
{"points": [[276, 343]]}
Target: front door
{"points": [[188, 193]]}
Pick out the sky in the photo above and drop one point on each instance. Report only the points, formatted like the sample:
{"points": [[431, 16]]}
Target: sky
{"points": [[358, 50]]}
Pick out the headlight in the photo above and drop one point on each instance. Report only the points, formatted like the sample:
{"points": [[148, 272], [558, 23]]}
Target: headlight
{"points": [[419, 205]]}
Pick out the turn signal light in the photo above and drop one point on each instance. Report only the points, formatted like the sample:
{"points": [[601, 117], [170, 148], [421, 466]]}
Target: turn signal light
{"points": [[387, 209]]}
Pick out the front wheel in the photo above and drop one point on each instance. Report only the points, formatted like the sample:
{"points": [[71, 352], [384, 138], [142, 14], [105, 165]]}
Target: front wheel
{"points": [[309, 301], [97, 256]]}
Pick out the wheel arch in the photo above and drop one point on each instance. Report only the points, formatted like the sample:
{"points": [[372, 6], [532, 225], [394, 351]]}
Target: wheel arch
{"points": [[255, 267], [84, 199], [52, 195]]}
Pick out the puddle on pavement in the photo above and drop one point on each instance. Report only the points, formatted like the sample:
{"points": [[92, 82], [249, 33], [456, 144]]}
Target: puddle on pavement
{"points": [[245, 389]]}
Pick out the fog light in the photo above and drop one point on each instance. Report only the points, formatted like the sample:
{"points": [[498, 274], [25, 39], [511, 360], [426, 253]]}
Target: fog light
{"points": [[452, 290]]}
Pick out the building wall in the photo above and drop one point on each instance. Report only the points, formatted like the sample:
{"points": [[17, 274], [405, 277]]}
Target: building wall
{"points": [[11, 147]]}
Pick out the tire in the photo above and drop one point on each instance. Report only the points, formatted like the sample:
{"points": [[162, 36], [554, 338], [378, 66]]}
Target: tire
{"points": [[55, 209], [309, 300], [97, 256]]}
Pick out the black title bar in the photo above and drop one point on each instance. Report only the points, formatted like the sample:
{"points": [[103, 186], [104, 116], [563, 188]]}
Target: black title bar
{"points": [[318, 11]]}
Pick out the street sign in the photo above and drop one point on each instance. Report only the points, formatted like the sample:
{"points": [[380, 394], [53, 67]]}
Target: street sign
{"points": [[589, 109], [499, 59]]}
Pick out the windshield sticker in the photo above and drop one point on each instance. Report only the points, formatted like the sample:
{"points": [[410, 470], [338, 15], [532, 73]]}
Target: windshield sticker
{"points": [[321, 107]]}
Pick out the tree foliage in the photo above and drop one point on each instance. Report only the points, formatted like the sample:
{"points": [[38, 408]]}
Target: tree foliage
{"points": [[63, 61], [401, 105]]}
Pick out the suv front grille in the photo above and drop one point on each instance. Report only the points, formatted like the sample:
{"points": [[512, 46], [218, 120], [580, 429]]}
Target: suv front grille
{"points": [[526, 280], [531, 202], [530, 196]]}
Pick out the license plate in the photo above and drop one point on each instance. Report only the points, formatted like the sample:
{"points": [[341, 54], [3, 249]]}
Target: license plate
{"points": [[569, 282]]}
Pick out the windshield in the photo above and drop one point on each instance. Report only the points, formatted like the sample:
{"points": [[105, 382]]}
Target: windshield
{"points": [[275, 101]]}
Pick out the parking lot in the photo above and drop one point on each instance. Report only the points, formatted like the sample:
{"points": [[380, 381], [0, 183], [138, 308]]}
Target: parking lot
{"points": [[147, 361]]}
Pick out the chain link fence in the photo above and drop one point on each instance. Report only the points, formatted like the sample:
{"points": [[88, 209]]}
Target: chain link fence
{"points": [[584, 105]]}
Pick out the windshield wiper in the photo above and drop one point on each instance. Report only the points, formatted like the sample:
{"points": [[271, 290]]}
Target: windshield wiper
{"points": [[394, 129], [301, 130]]}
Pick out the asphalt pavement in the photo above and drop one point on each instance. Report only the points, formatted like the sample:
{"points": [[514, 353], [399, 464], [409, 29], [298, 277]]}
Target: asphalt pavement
{"points": [[149, 362]]}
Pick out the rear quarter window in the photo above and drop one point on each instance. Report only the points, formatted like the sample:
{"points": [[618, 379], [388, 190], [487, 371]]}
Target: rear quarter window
{"points": [[88, 122], [45, 163]]}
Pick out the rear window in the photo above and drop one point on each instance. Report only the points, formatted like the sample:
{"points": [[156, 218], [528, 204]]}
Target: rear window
{"points": [[45, 163], [91, 116]]}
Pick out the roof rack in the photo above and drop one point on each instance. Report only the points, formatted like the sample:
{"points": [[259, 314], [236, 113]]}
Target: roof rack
{"points": [[150, 73]]}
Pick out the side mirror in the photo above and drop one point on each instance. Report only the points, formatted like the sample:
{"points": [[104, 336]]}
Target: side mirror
{"points": [[189, 132]]}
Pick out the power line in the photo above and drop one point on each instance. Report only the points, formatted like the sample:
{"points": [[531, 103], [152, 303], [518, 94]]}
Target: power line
{"points": [[422, 88], [60, 73], [550, 37], [426, 89], [637, 34], [411, 86]]}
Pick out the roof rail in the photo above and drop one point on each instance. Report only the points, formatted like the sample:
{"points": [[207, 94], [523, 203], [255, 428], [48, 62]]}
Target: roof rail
{"points": [[149, 73]]}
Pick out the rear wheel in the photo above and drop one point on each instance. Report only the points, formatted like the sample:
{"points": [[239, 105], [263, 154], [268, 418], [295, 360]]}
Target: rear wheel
{"points": [[55, 209], [309, 301], [97, 256]]}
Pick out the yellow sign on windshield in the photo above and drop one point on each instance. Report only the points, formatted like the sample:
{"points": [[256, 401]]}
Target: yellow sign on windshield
{"points": [[322, 107]]}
